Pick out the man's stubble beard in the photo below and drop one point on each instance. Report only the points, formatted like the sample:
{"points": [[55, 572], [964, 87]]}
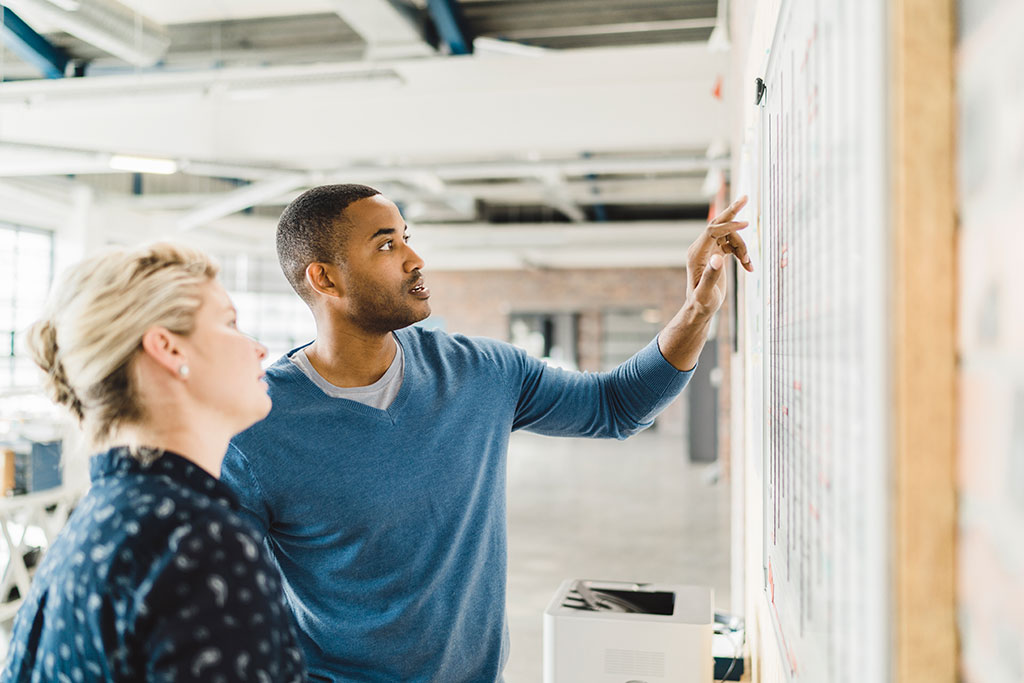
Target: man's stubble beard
{"points": [[377, 313]]}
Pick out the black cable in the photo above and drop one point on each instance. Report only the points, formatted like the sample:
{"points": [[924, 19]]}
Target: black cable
{"points": [[735, 653], [728, 625]]}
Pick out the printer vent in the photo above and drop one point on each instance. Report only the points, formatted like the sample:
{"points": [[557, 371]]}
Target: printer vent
{"points": [[634, 662]]}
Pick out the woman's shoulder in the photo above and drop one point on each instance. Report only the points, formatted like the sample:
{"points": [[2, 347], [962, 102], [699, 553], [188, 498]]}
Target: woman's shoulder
{"points": [[154, 563], [130, 525], [155, 499]]}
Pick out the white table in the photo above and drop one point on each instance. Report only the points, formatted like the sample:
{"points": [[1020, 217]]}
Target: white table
{"points": [[17, 515]]}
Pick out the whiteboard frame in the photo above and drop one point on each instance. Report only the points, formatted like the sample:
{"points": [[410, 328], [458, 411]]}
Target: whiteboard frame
{"points": [[873, 649]]}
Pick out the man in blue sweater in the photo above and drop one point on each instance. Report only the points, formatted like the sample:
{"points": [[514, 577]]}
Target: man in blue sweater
{"points": [[379, 475]]}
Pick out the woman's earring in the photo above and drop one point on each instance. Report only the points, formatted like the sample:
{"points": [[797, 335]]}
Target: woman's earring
{"points": [[183, 371]]}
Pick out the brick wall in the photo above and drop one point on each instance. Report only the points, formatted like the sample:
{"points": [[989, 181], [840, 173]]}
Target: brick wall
{"points": [[479, 303]]}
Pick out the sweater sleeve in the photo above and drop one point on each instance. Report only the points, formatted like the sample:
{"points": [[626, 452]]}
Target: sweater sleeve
{"points": [[237, 473], [614, 404]]}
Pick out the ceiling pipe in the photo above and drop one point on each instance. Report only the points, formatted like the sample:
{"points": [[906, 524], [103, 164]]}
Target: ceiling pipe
{"points": [[107, 24], [456, 171], [237, 83]]}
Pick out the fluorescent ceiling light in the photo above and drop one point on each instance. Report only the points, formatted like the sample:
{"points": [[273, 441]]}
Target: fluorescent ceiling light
{"points": [[122, 162]]}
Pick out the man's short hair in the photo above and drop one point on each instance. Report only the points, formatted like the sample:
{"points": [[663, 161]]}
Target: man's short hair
{"points": [[313, 229]]}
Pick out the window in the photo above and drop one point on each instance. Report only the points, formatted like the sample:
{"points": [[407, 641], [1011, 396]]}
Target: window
{"points": [[549, 336], [268, 308], [626, 331], [26, 271]]}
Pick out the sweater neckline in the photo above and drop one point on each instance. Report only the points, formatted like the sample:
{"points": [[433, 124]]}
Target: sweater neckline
{"points": [[290, 370]]}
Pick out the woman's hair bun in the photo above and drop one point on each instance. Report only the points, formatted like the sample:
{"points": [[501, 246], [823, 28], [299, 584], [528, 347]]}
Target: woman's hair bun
{"points": [[94, 321], [42, 346]]}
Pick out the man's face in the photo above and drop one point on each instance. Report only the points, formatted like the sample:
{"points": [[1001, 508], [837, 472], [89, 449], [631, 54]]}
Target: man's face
{"points": [[383, 287]]}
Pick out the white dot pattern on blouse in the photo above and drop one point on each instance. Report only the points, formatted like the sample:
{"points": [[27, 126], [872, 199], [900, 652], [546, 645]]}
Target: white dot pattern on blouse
{"points": [[155, 578]]}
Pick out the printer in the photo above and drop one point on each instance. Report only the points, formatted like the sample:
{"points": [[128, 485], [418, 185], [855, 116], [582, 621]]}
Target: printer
{"points": [[615, 632]]}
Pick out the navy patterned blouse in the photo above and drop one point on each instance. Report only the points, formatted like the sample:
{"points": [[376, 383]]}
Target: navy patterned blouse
{"points": [[155, 578]]}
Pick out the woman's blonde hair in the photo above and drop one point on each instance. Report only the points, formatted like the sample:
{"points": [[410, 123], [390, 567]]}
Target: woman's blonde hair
{"points": [[94, 321]]}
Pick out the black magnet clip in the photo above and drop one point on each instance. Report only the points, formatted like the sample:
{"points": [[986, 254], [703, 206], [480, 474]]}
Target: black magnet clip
{"points": [[761, 88]]}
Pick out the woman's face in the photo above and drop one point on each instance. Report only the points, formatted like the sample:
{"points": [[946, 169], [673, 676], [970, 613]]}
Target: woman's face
{"points": [[225, 375]]}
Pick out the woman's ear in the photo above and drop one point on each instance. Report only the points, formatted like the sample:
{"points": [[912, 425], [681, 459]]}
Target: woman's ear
{"points": [[162, 347], [324, 278]]}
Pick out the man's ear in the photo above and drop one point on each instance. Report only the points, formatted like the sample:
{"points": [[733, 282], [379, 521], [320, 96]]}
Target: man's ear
{"points": [[163, 348], [324, 278]]}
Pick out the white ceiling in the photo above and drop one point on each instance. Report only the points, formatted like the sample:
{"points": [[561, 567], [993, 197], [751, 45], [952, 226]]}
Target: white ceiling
{"points": [[577, 131], [316, 117]]}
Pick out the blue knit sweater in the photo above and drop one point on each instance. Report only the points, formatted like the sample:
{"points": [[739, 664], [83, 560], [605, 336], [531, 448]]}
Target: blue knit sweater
{"points": [[389, 525]]}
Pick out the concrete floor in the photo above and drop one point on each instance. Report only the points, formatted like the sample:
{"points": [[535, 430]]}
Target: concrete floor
{"points": [[636, 510]]}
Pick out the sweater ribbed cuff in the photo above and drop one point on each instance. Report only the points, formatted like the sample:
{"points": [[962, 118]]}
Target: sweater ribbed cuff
{"points": [[657, 373]]}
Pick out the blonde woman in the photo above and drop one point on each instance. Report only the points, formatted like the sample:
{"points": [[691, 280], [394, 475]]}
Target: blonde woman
{"points": [[155, 577]]}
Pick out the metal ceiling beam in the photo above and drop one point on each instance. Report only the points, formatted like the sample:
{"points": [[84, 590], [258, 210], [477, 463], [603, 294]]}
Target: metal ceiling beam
{"points": [[44, 205], [555, 245], [25, 160], [436, 186], [238, 200], [556, 193], [30, 46], [608, 29], [483, 246], [670, 191], [451, 26]]}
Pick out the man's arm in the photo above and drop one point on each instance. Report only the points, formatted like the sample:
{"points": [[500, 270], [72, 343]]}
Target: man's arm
{"points": [[682, 340], [621, 402], [614, 404], [237, 474]]}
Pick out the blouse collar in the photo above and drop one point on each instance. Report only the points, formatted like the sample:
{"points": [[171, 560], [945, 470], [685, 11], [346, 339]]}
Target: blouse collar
{"points": [[118, 462]]}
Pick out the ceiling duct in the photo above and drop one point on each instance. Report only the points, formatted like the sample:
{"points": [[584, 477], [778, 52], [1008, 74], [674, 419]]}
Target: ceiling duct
{"points": [[107, 24], [237, 83]]}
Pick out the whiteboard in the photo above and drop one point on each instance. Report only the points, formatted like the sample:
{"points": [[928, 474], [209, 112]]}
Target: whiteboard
{"points": [[818, 181]]}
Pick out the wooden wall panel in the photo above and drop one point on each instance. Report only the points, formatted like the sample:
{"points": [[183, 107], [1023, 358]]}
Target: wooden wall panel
{"points": [[924, 323]]}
